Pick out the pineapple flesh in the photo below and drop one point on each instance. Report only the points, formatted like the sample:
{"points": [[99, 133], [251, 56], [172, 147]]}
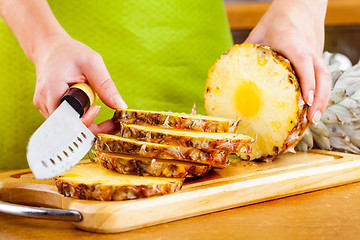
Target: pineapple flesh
{"points": [[258, 86], [127, 164], [90, 181], [206, 141], [175, 120], [117, 144]]}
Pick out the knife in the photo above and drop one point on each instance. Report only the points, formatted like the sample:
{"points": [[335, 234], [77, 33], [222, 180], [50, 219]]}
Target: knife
{"points": [[62, 140]]}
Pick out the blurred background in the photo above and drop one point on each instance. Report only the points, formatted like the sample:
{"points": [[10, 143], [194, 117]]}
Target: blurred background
{"points": [[342, 32]]}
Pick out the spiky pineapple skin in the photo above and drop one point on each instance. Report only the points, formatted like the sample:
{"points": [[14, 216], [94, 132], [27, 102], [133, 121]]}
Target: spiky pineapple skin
{"points": [[110, 192], [150, 167], [174, 120], [298, 122], [216, 158], [238, 143]]}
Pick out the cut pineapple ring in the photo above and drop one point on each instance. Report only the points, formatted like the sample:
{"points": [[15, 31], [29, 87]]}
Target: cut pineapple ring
{"points": [[92, 182], [258, 86]]}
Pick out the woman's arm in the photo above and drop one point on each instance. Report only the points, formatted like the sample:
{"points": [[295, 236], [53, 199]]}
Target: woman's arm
{"points": [[59, 59], [295, 28]]}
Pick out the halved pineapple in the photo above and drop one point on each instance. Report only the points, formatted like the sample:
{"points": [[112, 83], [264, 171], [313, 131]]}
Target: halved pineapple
{"points": [[127, 164], [258, 86], [92, 182], [206, 141]]}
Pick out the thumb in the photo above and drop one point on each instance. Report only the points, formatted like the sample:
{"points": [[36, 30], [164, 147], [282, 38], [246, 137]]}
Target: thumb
{"points": [[99, 78]]}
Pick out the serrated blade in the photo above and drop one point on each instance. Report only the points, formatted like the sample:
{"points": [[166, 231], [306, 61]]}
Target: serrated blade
{"points": [[59, 143]]}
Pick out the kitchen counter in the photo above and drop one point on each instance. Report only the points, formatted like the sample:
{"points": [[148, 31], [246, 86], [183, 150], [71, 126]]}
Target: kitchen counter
{"points": [[327, 214]]}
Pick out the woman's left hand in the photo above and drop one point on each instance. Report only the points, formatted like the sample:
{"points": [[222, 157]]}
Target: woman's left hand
{"points": [[295, 29]]}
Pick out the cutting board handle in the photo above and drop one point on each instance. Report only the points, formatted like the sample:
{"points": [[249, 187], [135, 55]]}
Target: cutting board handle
{"points": [[40, 212], [80, 96]]}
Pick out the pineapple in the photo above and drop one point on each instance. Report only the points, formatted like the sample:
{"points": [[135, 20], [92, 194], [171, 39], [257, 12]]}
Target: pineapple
{"points": [[127, 164], [117, 144], [206, 141], [258, 86], [339, 126], [92, 182], [175, 120]]}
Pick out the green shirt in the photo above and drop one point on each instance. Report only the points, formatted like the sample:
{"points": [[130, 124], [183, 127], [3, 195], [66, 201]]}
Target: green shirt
{"points": [[157, 52]]}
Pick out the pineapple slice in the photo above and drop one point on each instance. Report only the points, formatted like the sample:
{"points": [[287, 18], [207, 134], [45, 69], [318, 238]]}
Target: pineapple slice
{"points": [[92, 182], [258, 86], [113, 143], [175, 120], [206, 141], [127, 164]]}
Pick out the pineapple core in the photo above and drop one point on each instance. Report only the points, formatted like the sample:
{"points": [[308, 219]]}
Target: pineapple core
{"points": [[247, 99]]}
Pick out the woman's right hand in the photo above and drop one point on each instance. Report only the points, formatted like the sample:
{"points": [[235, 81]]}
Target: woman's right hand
{"points": [[62, 61]]}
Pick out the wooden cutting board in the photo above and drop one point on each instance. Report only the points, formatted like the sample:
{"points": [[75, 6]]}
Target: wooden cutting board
{"points": [[239, 184]]}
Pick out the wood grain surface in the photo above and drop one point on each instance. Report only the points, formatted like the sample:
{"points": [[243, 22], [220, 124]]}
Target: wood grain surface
{"points": [[241, 183], [326, 214], [246, 15]]}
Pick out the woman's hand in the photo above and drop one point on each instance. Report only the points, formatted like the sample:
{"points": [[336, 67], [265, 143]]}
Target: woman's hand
{"points": [[295, 28], [60, 60], [65, 61]]}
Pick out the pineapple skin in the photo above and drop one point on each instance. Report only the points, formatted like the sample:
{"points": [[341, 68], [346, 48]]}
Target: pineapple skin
{"points": [[174, 120], [107, 143], [112, 192], [299, 123], [150, 167], [204, 143]]}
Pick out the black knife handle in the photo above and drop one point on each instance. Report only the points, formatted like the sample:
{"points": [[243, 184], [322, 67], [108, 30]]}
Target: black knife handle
{"points": [[80, 96]]}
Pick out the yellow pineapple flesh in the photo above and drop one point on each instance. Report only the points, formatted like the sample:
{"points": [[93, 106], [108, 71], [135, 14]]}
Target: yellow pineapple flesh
{"points": [[92, 182], [258, 86], [175, 120], [206, 141], [117, 144], [127, 164]]}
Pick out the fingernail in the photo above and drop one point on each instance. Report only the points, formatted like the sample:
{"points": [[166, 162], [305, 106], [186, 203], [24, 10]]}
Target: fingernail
{"points": [[316, 117], [97, 110], [119, 102], [310, 97]]}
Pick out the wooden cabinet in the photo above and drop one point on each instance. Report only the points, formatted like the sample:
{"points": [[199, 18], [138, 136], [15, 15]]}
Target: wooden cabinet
{"points": [[245, 14]]}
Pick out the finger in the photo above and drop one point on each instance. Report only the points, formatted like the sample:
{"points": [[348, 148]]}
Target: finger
{"points": [[322, 92], [304, 67], [43, 113], [109, 127], [43, 110], [90, 115], [99, 78], [54, 95]]}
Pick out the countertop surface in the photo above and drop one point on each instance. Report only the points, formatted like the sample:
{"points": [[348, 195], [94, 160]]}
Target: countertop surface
{"points": [[327, 214]]}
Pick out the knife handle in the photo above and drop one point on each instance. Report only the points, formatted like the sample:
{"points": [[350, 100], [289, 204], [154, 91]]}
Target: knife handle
{"points": [[80, 96]]}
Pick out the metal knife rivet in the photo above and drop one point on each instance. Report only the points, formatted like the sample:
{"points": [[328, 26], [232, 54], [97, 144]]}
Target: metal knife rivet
{"points": [[52, 161]]}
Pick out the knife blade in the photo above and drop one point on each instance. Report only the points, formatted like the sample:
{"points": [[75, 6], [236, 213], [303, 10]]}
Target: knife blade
{"points": [[62, 140]]}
